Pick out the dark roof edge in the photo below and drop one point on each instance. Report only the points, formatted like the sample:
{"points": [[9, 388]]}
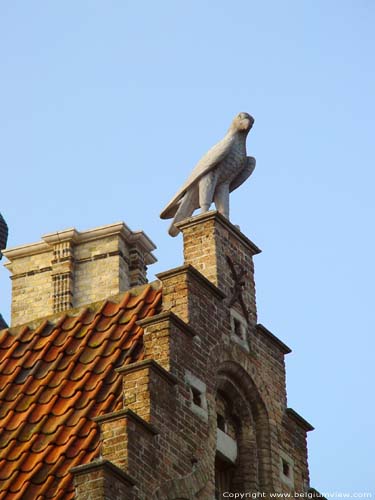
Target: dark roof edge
{"points": [[299, 420], [168, 316], [264, 331], [313, 493], [189, 269], [3, 323], [106, 464], [126, 413], [3, 234], [148, 363]]}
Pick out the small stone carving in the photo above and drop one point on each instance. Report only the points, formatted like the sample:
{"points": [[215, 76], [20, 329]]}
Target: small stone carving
{"points": [[238, 275], [221, 170]]}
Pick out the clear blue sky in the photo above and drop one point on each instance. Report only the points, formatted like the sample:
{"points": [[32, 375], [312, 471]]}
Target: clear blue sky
{"points": [[105, 107]]}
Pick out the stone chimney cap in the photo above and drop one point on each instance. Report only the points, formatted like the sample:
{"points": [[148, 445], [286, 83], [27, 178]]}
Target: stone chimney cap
{"points": [[118, 228], [147, 245]]}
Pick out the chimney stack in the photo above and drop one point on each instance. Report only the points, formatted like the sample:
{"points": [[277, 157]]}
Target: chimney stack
{"points": [[71, 268]]}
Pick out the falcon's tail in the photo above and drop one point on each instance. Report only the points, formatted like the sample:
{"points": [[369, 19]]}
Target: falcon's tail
{"points": [[186, 207]]}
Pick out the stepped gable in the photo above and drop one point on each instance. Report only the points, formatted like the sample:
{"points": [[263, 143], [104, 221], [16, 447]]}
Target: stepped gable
{"points": [[55, 378]]}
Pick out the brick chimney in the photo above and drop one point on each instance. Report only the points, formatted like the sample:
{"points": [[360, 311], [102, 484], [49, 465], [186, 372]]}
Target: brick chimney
{"points": [[71, 268]]}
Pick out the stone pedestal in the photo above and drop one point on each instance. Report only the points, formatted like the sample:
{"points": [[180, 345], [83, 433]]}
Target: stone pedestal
{"points": [[218, 249]]}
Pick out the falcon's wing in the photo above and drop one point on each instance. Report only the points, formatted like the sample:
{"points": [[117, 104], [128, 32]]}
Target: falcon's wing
{"points": [[245, 173], [209, 161]]}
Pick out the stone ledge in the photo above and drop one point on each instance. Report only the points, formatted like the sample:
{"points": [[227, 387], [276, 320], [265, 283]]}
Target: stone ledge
{"points": [[129, 414], [192, 271], [114, 253], [26, 250], [172, 318], [304, 424], [152, 364], [103, 464], [78, 237], [30, 273], [214, 215], [264, 331], [141, 239]]}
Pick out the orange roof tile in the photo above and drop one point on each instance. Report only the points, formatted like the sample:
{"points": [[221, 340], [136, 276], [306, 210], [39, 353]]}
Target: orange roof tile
{"points": [[53, 380]]}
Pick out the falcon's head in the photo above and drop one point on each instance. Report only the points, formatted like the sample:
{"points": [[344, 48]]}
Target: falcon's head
{"points": [[243, 122]]}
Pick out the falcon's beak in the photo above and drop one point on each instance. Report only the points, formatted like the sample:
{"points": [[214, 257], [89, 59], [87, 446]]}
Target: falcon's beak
{"points": [[246, 123]]}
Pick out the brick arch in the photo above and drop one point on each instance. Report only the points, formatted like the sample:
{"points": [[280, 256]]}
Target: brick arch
{"points": [[253, 472], [244, 364], [233, 353]]}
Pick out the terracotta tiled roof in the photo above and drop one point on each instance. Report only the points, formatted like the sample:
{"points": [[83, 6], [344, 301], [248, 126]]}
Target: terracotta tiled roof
{"points": [[53, 380]]}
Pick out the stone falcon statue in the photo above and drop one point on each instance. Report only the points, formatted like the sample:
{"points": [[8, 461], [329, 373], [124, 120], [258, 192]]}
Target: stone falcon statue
{"points": [[221, 170]]}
